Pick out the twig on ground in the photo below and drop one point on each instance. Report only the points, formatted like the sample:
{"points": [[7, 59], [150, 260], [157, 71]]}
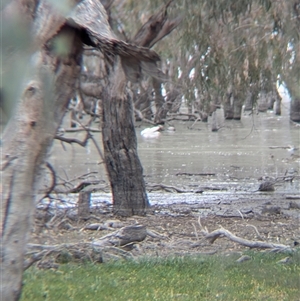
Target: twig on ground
{"points": [[196, 233], [258, 234], [240, 213], [34, 258]]}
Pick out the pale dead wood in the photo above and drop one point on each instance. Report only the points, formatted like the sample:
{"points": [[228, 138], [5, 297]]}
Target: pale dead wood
{"points": [[34, 258], [257, 232], [196, 233], [96, 227], [214, 235], [123, 236], [211, 237], [155, 234], [108, 225], [241, 214]]}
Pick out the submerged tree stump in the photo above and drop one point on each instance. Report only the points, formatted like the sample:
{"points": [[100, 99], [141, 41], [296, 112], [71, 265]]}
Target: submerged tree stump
{"points": [[295, 109]]}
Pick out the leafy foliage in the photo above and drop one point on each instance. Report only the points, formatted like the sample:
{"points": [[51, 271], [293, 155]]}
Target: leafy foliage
{"points": [[229, 44]]}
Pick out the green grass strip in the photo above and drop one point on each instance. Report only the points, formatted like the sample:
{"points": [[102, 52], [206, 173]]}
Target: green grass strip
{"points": [[177, 278]]}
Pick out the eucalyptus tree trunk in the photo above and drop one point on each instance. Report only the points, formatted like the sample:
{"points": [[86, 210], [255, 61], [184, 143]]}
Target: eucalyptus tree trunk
{"points": [[161, 110], [119, 138], [40, 105], [237, 107], [25, 143], [278, 106], [228, 106], [295, 109], [120, 147]]}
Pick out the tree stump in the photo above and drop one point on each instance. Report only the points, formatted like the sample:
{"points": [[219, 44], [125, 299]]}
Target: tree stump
{"points": [[278, 106], [214, 122], [84, 201], [237, 109]]}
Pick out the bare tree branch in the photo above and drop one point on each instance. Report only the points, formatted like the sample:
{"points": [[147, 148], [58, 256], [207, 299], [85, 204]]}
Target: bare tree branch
{"points": [[214, 235]]}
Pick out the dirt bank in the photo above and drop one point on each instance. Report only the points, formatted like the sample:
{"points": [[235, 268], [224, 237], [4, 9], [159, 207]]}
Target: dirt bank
{"points": [[176, 229]]}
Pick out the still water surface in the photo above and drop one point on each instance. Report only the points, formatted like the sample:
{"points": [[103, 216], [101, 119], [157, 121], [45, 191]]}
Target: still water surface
{"points": [[238, 154]]}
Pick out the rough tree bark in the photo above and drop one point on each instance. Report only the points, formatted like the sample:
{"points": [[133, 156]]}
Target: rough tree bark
{"points": [[295, 109], [119, 138], [120, 148]]}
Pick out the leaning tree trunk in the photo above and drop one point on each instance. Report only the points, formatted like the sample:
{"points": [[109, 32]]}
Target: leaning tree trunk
{"points": [[25, 143], [120, 148], [119, 138]]}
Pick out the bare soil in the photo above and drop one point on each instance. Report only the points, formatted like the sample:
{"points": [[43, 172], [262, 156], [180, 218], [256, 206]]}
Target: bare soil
{"points": [[176, 229]]}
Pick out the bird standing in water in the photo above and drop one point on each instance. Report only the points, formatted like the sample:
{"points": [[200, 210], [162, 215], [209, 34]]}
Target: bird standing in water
{"points": [[153, 132]]}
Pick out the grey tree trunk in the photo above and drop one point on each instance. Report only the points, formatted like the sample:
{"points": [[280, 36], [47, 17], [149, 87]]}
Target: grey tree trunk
{"points": [[228, 106], [40, 107], [161, 111], [120, 148], [278, 106], [295, 109], [119, 138], [237, 108], [84, 201], [25, 143]]}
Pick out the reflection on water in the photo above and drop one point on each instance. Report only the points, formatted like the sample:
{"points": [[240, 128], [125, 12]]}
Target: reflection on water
{"points": [[238, 154]]}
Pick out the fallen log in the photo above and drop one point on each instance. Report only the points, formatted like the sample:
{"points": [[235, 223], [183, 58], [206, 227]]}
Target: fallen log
{"points": [[108, 225], [212, 236], [124, 236], [195, 174]]}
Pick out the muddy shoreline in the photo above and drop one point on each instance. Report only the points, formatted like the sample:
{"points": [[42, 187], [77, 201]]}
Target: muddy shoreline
{"points": [[268, 217]]}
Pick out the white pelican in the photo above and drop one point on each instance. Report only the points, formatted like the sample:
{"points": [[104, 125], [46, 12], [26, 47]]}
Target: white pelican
{"points": [[291, 149], [153, 132]]}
